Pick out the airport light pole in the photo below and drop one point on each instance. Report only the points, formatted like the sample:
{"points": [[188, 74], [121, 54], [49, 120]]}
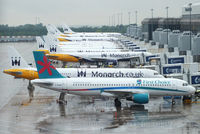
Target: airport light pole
{"points": [[136, 21], [121, 18], [167, 23], [113, 19], [136, 17], [109, 20], [152, 23], [129, 21], [190, 9], [118, 15]]}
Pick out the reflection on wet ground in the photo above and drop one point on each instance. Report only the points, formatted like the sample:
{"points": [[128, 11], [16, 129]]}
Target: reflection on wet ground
{"points": [[85, 115], [178, 119]]}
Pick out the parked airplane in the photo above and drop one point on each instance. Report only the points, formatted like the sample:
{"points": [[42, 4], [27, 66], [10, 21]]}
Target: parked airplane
{"points": [[31, 73], [63, 37], [98, 56], [68, 31], [80, 45], [136, 89], [68, 39]]}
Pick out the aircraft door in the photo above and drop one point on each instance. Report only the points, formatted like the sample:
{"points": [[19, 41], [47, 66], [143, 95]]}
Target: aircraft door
{"points": [[64, 84]]}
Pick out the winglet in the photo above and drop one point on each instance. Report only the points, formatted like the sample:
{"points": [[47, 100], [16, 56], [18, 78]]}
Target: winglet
{"points": [[44, 67]]}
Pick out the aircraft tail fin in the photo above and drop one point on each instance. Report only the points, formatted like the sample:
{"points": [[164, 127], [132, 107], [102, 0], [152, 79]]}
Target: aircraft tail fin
{"points": [[52, 43], [67, 29], [40, 42], [42, 45], [44, 67], [51, 29], [15, 59], [48, 44]]}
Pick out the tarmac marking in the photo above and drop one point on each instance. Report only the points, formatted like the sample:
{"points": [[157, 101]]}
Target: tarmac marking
{"points": [[195, 102]]}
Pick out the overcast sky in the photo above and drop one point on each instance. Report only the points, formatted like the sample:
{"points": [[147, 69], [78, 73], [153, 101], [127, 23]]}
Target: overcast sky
{"points": [[84, 12]]}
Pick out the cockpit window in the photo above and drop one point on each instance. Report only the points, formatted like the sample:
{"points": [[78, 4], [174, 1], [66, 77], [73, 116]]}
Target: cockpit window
{"points": [[185, 84], [156, 73]]}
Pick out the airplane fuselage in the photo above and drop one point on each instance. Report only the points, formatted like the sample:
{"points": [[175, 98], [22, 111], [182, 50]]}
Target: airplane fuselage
{"points": [[97, 56], [31, 73], [97, 86]]}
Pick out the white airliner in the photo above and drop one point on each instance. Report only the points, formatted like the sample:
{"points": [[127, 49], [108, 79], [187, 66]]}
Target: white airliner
{"points": [[94, 43], [136, 89], [68, 39], [98, 56], [81, 45], [64, 37], [67, 30]]}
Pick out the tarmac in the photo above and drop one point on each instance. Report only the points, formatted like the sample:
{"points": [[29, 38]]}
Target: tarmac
{"points": [[88, 115]]}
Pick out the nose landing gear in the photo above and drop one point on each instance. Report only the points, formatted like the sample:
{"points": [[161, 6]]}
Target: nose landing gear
{"points": [[61, 99], [31, 89]]}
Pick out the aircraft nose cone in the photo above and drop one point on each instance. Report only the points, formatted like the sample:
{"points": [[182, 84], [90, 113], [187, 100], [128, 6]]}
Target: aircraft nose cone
{"points": [[8, 71], [5, 71], [192, 90]]}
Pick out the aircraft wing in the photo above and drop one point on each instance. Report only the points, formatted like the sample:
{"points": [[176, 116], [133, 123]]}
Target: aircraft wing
{"points": [[128, 58], [122, 92], [100, 59], [82, 58], [91, 59], [117, 59], [104, 58]]}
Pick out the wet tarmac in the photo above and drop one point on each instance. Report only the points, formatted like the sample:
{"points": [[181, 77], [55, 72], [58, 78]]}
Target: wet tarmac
{"points": [[84, 115]]}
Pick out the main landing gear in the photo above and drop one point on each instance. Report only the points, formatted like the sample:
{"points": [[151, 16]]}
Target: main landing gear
{"points": [[61, 99], [31, 89], [173, 101], [117, 104], [64, 64]]}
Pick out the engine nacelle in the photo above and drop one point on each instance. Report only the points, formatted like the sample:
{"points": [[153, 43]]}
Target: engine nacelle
{"points": [[140, 98]]}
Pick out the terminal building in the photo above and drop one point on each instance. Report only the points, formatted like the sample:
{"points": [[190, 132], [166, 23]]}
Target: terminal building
{"points": [[177, 34], [17, 39], [183, 23]]}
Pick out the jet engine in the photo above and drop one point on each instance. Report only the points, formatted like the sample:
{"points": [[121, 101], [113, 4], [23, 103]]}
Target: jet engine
{"points": [[140, 98]]}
